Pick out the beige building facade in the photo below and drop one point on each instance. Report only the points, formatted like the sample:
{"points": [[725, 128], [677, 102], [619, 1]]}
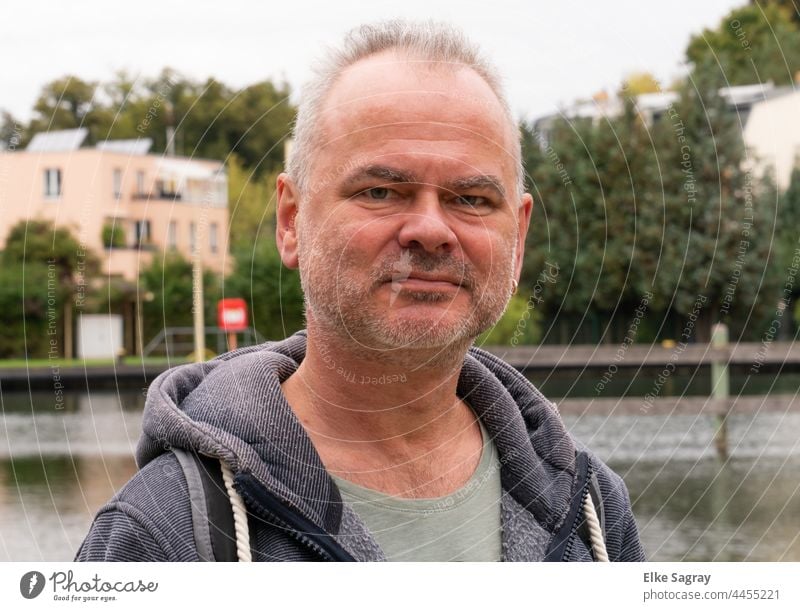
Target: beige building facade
{"points": [[120, 202]]}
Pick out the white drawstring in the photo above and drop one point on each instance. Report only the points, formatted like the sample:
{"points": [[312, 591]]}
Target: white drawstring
{"points": [[595, 532], [239, 516]]}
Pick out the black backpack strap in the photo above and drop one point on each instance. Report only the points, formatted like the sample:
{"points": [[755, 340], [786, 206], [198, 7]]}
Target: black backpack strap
{"points": [[575, 524], [212, 515]]}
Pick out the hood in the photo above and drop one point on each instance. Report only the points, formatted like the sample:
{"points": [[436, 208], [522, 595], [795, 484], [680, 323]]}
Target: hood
{"points": [[232, 408]]}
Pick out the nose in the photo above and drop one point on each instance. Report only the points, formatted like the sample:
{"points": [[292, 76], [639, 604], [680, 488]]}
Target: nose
{"points": [[425, 226]]}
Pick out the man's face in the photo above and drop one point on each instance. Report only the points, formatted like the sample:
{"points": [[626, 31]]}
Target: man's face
{"points": [[409, 235]]}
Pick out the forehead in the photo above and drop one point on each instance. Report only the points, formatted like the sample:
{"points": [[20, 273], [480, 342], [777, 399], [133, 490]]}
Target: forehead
{"points": [[388, 101]]}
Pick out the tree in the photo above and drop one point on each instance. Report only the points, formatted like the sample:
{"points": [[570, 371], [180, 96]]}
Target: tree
{"points": [[31, 302], [641, 82], [273, 292], [520, 325], [752, 44], [790, 211], [790, 7], [210, 119], [42, 268], [11, 132], [789, 237], [719, 220], [37, 241], [169, 279], [664, 214], [69, 103], [251, 204], [587, 187]]}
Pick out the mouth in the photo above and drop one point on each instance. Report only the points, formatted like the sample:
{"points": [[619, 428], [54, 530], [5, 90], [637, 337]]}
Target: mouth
{"points": [[424, 284], [425, 281]]}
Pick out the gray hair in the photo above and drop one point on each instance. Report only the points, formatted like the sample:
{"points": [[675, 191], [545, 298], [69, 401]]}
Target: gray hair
{"points": [[429, 41]]}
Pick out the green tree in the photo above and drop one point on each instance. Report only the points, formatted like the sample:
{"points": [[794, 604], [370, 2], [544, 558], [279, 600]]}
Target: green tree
{"points": [[169, 279], [663, 213], [37, 241], [272, 292], [31, 302], [719, 220], [587, 183], [789, 237], [251, 204], [790, 7], [520, 325], [209, 118], [68, 103], [42, 266], [752, 44]]}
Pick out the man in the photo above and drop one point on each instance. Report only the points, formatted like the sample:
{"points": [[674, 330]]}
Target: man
{"points": [[379, 433]]}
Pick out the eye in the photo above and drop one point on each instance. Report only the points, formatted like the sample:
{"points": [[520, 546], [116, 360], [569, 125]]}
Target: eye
{"points": [[473, 201], [377, 193]]}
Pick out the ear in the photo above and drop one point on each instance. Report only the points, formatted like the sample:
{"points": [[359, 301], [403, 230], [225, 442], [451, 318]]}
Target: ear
{"points": [[523, 221], [285, 220]]}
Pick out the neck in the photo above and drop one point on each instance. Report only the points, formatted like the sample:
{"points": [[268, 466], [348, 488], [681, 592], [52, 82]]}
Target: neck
{"points": [[391, 412]]}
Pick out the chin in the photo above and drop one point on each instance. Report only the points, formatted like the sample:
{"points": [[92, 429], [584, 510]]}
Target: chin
{"points": [[422, 332]]}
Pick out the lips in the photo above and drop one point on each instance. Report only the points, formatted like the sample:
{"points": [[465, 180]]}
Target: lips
{"points": [[431, 278]]}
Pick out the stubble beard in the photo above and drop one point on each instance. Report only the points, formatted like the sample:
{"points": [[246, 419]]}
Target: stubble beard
{"points": [[340, 302]]}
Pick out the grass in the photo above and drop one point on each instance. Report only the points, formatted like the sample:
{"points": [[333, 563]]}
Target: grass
{"points": [[128, 360]]}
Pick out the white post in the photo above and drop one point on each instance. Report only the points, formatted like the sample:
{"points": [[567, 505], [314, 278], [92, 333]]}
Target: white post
{"points": [[197, 308]]}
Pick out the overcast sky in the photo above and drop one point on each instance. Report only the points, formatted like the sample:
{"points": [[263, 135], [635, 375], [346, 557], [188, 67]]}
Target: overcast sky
{"points": [[549, 52]]}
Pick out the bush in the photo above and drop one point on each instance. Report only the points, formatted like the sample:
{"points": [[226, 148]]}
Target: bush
{"points": [[519, 325], [113, 236]]}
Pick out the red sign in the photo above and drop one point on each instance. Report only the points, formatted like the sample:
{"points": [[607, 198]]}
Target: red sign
{"points": [[232, 314]]}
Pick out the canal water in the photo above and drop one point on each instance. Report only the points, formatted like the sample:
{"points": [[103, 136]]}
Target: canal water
{"points": [[57, 467]]}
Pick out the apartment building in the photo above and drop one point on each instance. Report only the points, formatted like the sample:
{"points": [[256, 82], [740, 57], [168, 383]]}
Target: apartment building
{"points": [[119, 201]]}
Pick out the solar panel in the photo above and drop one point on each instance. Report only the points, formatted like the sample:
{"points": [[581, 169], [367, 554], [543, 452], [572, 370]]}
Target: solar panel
{"points": [[140, 146], [61, 140]]}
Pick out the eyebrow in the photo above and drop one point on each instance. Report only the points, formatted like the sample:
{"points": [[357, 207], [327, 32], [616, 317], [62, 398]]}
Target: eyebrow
{"points": [[481, 181], [392, 175]]}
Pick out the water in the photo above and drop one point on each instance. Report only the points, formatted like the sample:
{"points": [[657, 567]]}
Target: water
{"points": [[57, 467], [690, 504], [684, 382]]}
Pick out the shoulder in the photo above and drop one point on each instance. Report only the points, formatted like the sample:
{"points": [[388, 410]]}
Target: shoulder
{"points": [[149, 519]]}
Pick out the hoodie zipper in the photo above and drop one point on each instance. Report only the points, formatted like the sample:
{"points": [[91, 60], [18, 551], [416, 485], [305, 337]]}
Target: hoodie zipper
{"points": [[573, 534], [268, 506], [564, 538]]}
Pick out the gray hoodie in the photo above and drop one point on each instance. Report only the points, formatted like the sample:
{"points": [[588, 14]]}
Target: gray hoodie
{"points": [[232, 408]]}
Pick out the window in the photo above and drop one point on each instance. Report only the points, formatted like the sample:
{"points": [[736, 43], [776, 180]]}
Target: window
{"points": [[52, 182], [142, 232], [192, 237], [212, 237], [117, 183], [140, 183], [172, 235]]}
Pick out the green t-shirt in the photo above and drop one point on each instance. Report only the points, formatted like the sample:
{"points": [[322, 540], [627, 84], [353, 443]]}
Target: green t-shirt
{"points": [[463, 526]]}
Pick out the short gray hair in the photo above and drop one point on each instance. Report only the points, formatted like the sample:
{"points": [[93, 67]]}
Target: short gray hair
{"points": [[426, 40]]}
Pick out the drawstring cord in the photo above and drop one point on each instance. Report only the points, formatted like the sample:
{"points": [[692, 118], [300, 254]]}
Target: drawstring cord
{"points": [[595, 532], [239, 516]]}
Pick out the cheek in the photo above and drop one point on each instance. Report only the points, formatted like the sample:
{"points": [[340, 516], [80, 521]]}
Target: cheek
{"points": [[488, 248]]}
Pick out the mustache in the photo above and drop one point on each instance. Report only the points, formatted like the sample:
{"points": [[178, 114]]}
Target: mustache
{"points": [[408, 262]]}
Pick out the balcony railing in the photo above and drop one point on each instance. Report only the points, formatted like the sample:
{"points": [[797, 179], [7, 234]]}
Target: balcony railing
{"points": [[157, 194]]}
